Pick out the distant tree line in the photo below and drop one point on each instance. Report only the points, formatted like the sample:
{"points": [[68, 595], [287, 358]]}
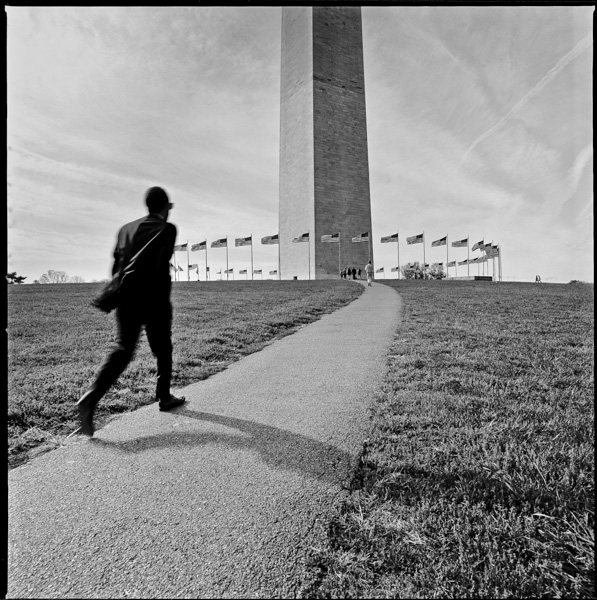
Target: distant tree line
{"points": [[14, 278], [52, 276]]}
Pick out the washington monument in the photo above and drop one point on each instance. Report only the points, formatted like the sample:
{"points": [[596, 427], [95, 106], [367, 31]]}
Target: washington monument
{"points": [[324, 166]]}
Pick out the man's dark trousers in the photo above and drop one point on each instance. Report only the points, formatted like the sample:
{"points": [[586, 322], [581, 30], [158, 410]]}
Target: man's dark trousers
{"points": [[131, 315]]}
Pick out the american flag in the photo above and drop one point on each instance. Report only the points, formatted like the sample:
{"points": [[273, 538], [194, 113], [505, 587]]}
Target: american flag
{"points": [[301, 238], [333, 237], [243, 241], [270, 239], [389, 238], [362, 237], [415, 239]]}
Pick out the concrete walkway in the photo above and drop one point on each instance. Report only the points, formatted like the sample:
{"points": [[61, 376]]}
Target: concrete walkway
{"points": [[220, 498]]}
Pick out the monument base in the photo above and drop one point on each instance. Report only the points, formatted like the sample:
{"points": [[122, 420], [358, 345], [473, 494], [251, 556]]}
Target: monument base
{"points": [[471, 278]]}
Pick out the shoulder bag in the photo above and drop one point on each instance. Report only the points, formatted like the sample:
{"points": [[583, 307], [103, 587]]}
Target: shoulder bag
{"points": [[109, 297]]}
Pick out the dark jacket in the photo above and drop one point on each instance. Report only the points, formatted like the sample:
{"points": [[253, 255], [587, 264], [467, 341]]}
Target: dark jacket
{"points": [[150, 278]]}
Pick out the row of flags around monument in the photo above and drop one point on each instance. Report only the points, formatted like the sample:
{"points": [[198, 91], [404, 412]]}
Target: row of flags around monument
{"points": [[248, 241], [223, 243], [490, 250]]}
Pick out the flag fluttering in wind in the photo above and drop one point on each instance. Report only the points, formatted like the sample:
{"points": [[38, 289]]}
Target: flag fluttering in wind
{"points": [[243, 272], [460, 243], [394, 269], [270, 239], [333, 237], [452, 263], [362, 237], [199, 246], [492, 252], [389, 238], [273, 272], [415, 239], [478, 245], [257, 271], [486, 247], [180, 247], [380, 270], [223, 243], [243, 241], [301, 238], [229, 271], [463, 262], [180, 268], [194, 267], [172, 267], [441, 242]]}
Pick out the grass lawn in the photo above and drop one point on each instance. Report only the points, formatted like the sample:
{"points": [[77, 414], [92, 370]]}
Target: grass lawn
{"points": [[478, 478], [478, 481], [57, 342]]}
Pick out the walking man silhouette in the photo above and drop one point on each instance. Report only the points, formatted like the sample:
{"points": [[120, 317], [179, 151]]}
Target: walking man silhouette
{"points": [[144, 300]]}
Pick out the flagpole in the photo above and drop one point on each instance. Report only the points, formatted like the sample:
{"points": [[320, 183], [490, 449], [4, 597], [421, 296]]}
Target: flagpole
{"points": [[188, 263], [207, 278], [339, 244], [424, 260], [309, 241], [447, 259], [226, 258], [279, 269], [398, 249], [468, 257], [500, 260], [251, 257]]}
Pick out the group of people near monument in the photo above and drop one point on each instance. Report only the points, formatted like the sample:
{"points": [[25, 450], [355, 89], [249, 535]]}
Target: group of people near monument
{"points": [[350, 273]]}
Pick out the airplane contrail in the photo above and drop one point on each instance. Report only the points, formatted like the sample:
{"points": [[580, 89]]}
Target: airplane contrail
{"points": [[585, 43]]}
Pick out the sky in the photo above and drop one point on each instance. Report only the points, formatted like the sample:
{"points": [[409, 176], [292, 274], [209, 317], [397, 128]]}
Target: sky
{"points": [[479, 125]]}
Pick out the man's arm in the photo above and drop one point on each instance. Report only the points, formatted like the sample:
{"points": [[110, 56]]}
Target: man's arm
{"points": [[170, 239]]}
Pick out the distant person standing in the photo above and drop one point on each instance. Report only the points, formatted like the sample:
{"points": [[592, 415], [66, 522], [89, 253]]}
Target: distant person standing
{"points": [[145, 246], [369, 273], [359, 273], [354, 273]]}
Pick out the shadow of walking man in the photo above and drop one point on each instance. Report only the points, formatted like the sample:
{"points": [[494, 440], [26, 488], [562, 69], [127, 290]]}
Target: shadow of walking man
{"points": [[278, 448]]}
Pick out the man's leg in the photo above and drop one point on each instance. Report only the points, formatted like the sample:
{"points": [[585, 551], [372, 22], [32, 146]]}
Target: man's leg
{"points": [[158, 327], [129, 327]]}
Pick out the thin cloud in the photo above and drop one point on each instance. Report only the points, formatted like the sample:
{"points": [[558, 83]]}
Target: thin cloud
{"points": [[585, 43]]}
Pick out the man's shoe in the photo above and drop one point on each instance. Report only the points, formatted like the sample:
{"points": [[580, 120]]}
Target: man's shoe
{"points": [[172, 402], [86, 406]]}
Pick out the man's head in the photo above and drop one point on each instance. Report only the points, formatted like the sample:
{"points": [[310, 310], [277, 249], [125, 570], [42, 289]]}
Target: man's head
{"points": [[157, 201]]}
